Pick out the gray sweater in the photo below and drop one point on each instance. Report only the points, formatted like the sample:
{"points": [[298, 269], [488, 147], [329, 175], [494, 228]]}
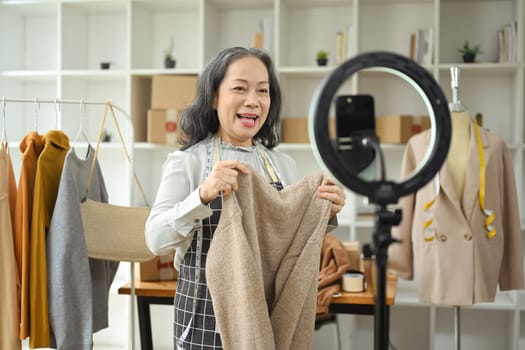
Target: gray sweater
{"points": [[78, 285]]}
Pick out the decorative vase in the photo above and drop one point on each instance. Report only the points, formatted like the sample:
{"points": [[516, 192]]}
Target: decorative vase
{"points": [[469, 57]]}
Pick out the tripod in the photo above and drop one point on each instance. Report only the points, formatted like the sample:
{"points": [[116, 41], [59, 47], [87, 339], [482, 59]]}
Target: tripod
{"points": [[346, 164]]}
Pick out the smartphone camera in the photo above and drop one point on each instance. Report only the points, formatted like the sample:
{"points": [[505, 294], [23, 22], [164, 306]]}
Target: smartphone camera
{"points": [[355, 120]]}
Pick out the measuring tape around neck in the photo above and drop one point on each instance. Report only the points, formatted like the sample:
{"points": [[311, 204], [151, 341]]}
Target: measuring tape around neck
{"points": [[489, 214], [490, 217]]}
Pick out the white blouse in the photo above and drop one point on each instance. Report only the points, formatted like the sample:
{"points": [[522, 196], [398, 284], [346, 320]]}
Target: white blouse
{"points": [[178, 210]]}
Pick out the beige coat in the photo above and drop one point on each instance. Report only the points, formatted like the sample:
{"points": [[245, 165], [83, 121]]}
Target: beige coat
{"points": [[461, 265], [263, 264], [9, 287]]}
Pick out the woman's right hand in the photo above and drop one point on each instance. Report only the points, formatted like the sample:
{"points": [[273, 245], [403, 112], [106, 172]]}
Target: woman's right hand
{"points": [[223, 177]]}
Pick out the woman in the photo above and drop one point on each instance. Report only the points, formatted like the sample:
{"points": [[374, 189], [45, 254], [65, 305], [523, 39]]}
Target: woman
{"points": [[233, 122]]}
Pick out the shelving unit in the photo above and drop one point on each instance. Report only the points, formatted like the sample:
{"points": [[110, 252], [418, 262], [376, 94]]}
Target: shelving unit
{"points": [[52, 49]]}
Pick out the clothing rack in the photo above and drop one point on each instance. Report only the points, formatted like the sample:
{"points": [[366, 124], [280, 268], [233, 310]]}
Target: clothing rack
{"points": [[81, 102], [61, 101]]}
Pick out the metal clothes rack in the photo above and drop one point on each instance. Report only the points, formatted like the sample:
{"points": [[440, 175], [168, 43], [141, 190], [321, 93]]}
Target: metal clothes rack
{"points": [[62, 101], [37, 102]]}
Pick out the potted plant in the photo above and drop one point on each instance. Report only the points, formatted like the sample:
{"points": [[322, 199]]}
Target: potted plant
{"points": [[469, 52], [322, 57], [169, 61]]}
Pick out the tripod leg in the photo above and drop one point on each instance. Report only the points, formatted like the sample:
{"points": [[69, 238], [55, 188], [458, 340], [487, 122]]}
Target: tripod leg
{"points": [[381, 322]]}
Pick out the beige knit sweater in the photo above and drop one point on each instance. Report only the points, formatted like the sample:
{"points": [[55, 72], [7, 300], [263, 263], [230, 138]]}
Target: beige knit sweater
{"points": [[263, 264]]}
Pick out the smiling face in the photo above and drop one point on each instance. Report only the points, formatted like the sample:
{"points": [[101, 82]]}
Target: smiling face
{"points": [[243, 100]]}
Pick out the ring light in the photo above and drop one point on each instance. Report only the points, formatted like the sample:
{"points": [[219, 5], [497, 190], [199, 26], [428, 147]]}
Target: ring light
{"points": [[381, 192]]}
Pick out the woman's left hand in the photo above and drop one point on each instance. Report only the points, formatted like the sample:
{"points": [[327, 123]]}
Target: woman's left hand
{"points": [[332, 192]]}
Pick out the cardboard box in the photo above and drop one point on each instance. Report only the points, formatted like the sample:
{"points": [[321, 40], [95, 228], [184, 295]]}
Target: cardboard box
{"points": [[420, 124], [158, 269], [163, 126], [173, 91], [424, 121], [394, 129], [295, 130]]}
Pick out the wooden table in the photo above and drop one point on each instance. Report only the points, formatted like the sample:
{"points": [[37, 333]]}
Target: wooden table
{"points": [[163, 292]]}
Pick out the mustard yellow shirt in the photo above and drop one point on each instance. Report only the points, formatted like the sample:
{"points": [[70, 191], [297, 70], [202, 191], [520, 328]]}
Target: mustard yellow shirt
{"points": [[31, 146], [49, 169]]}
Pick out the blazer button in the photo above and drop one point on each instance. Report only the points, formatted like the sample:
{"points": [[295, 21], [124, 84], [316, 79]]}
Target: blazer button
{"points": [[468, 237], [443, 238]]}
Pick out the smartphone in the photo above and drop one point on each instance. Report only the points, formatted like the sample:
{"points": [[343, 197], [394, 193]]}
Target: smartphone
{"points": [[355, 119]]}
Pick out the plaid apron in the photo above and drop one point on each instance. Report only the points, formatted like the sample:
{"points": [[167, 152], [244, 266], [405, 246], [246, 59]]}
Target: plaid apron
{"points": [[194, 324]]}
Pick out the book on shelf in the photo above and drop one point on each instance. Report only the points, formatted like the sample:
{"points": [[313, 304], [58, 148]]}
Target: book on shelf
{"points": [[421, 47], [266, 25], [508, 42], [257, 40], [340, 47], [428, 46], [349, 49], [343, 44], [502, 46], [412, 53]]}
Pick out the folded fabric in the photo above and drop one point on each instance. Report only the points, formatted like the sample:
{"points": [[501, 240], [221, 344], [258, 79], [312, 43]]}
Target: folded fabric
{"points": [[334, 263], [263, 264]]}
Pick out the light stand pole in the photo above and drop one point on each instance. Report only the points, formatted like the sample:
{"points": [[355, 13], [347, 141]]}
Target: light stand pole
{"points": [[385, 219]]}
